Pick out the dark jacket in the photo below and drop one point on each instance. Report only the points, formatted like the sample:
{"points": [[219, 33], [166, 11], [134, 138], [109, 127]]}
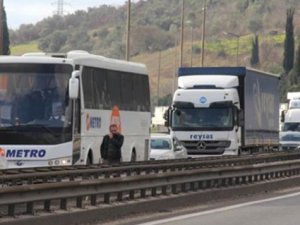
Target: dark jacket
{"points": [[116, 144]]}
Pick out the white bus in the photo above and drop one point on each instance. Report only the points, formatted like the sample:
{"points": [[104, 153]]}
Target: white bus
{"points": [[55, 111]]}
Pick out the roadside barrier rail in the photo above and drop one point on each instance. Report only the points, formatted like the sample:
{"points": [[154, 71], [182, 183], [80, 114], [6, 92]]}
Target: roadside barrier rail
{"points": [[78, 194], [78, 173]]}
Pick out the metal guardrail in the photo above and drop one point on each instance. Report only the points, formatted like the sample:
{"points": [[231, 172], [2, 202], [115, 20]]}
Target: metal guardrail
{"points": [[59, 174], [98, 192]]}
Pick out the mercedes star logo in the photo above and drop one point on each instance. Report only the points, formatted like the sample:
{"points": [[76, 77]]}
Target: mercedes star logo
{"points": [[201, 145]]}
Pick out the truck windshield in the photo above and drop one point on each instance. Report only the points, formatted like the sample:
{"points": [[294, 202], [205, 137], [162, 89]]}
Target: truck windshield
{"points": [[34, 103], [291, 127], [202, 118]]}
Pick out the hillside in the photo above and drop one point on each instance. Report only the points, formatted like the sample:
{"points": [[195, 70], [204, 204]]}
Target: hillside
{"points": [[156, 28]]}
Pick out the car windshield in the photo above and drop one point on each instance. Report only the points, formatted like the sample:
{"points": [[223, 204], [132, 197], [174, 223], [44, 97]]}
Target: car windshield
{"points": [[290, 137], [160, 144]]}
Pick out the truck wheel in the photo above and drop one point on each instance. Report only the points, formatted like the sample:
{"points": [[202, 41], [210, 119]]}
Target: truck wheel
{"points": [[239, 152], [133, 156]]}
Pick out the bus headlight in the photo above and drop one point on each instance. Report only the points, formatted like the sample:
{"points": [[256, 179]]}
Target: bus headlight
{"points": [[58, 162]]}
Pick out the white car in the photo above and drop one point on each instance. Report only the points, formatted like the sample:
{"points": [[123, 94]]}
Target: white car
{"points": [[289, 140], [164, 146]]}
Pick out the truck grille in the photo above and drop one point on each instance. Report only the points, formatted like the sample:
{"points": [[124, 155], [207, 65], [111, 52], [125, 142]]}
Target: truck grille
{"points": [[205, 147]]}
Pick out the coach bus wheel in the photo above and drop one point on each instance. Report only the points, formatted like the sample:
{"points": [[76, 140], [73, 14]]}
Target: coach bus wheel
{"points": [[133, 156], [89, 160]]}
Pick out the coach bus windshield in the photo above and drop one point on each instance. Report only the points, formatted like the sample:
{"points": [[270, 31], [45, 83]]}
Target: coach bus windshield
{"points": [[34, 103]]}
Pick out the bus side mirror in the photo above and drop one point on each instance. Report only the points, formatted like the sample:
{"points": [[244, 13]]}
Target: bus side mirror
{"points": [[74, 85]]}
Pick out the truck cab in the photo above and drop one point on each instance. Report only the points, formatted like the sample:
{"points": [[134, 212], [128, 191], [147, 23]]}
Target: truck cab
{"points": [[225, 110], [205, 118]]}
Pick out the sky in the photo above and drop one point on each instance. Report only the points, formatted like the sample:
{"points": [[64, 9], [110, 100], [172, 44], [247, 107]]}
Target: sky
{"points": [[31, 11]]}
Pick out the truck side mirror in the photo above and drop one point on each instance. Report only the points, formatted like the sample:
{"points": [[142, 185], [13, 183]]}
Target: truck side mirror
{"points": [[282, 116], [167, 117], [240, 119], [74, 85]]}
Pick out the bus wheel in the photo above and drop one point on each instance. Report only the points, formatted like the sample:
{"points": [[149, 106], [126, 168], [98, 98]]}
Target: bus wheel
{"points": [[133, 156]]}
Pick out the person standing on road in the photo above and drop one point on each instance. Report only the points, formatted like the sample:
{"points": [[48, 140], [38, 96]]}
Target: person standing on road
{"points": [[111, 145]]}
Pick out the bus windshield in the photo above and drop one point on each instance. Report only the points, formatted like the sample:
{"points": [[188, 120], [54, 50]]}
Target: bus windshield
{"points": [[202, 119], [34, 100]]}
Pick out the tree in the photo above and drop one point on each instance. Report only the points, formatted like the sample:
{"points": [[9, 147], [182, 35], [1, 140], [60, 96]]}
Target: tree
{"points": [[255, 25], [254, 61], [289, 42], [294, 75], [6, 43]]}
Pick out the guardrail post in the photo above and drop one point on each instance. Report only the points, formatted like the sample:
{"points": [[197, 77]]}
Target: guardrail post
{"points": [[244, 180], [47, 205], [143, 193], [238, 180], [72, 178], [218, 183], [164, 190], [174, 188], [209, 183], [183, 187], [131, 194], [224, 182], [63, 203], [201, 184], [79, 202], [29, 208], [192, 186], [11, 210], [107, 198], [120, 196], [153, 191], [250, 179], [93, 200], [255, 177]]}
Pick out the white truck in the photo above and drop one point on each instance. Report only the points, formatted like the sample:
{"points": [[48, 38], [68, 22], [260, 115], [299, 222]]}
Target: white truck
{"points": [[291, 116], [290, 132], [225, 110]]}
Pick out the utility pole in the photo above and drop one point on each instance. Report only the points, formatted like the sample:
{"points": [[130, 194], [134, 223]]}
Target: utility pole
{"points": [[203, 33], [192, 47], [127, 53], [182, 32], [175, 66], [1, 27], [158, 76]]}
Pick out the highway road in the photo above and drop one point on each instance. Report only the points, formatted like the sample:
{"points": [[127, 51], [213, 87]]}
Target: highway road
{"points": [[283, 210]]}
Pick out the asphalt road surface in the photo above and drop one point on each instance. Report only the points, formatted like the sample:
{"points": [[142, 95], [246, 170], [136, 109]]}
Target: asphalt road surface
{"points": [[283, 210]]}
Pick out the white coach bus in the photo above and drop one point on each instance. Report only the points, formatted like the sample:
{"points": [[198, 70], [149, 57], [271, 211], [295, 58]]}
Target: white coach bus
{"points": [[55, 111]]}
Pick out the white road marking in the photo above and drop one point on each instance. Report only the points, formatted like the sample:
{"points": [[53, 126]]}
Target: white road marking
{"points": [[220, 209]]}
